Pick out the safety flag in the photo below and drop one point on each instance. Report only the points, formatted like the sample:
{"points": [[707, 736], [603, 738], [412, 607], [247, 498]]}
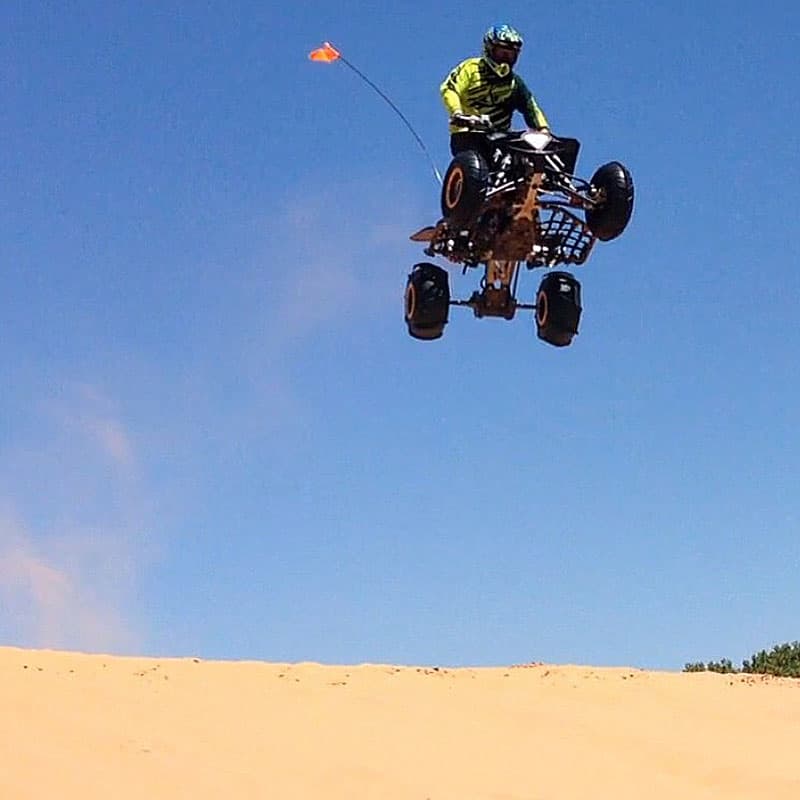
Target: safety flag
{"points": [[326, 53]]}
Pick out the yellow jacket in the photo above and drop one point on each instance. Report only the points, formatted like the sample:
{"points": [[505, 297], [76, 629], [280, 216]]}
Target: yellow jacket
{"points": [[473, 87]]}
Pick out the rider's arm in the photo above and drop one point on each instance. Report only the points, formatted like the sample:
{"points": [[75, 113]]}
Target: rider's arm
{"points": [[455, 85], [526, 104]]}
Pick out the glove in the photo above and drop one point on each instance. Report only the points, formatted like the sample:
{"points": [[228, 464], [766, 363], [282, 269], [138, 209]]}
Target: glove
{"points": [[473, 122]]}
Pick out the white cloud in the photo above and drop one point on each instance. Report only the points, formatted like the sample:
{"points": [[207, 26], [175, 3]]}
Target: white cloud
{"points": [[84, 408], [333, 257], [51, 604], [74, 532], [326, 291], [113, 440], [328, 259]]}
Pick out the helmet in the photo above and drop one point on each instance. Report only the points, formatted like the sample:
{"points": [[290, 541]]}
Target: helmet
{"points": [[501, 46]]}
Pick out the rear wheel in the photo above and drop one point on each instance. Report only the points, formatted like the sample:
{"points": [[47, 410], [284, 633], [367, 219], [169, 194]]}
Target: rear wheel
{"points": [[427, 301], [463, 187], [558, 308], [611, 216]]}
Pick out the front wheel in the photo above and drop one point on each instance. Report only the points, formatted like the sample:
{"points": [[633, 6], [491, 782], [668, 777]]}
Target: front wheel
{"points": [[464, 187], [427, 301], [614, 185], [558, 308]]}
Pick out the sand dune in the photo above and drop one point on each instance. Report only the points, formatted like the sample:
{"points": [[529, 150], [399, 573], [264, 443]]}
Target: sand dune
{"points": [[93, 726]]}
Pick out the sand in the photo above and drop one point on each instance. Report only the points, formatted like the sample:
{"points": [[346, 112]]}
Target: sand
{"points": [[94, 726]]}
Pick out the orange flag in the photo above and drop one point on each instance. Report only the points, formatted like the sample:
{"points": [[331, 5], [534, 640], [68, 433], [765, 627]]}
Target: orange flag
{"points": [[325, 53]]}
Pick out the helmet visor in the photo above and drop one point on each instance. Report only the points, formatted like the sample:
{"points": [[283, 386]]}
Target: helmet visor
{"points": [[502, 53]]}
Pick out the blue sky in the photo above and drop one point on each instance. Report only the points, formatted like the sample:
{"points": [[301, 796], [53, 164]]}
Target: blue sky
{"points": [[217, 438]]}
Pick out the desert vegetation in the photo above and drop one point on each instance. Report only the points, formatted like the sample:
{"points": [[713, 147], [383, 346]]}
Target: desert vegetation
{"points": [[783, 660]]}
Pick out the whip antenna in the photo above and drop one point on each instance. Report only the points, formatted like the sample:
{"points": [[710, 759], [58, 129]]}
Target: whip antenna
{"points": [[328, 53]]}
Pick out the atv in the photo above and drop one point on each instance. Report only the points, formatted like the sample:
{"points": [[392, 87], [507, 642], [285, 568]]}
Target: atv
{"points": [[514, 200]]}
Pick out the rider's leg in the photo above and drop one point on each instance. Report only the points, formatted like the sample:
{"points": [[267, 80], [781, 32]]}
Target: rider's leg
{"points": [[469, 140]]}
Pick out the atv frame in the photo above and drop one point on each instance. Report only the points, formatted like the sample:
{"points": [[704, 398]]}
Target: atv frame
{"points": [[520, 204]]}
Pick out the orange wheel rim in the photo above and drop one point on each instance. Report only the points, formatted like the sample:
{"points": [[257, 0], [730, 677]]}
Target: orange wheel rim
{"points": [[454, 188], [411, 300], [542, 309]]}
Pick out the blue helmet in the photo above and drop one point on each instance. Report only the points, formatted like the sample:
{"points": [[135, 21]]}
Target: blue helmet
{"points": [[501, 46]]}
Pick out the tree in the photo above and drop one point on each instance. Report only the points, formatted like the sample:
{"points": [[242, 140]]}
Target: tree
{"points": [[783, 660], [694, 666]]}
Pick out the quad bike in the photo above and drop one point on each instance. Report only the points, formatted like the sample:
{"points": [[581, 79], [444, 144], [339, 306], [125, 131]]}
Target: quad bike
{"points": [[515, 201]]}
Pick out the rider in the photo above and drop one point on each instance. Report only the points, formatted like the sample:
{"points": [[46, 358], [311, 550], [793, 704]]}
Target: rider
{"points": [[487, 85]]}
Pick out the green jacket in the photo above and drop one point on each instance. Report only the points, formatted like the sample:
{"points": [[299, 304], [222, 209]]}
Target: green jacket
{"points": [[474, 88]]}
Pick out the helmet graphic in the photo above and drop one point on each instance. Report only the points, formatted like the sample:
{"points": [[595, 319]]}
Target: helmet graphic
{"points": [[501, 46]]}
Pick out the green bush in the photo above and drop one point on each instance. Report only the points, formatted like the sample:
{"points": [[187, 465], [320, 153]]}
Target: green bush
{"points": [[783, 660], [694, 666], [724, 666]]}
